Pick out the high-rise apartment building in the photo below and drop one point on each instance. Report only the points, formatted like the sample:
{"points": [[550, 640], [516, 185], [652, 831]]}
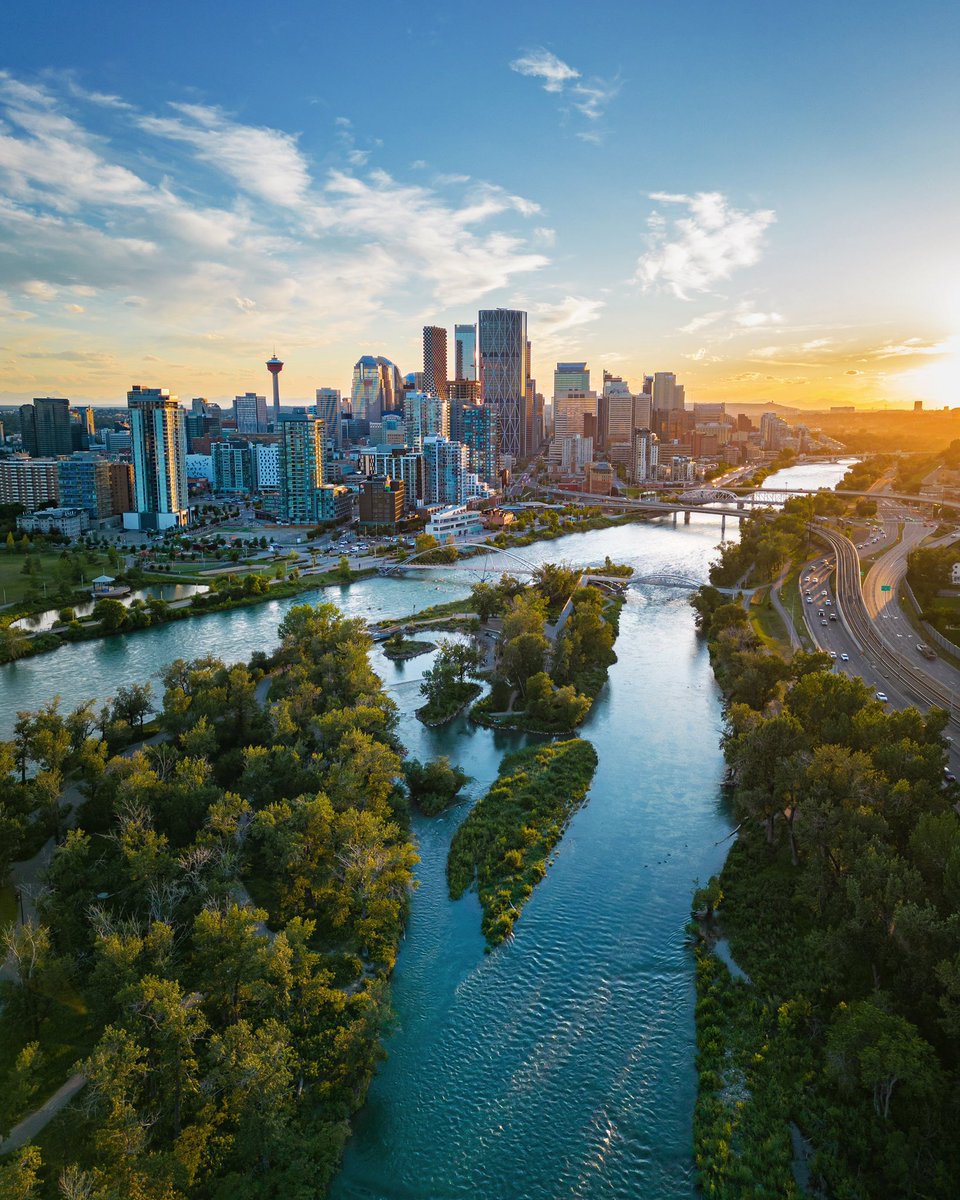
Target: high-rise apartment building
{"points": [[445, 466], [646, 456], [397, 462], [435, 360], [30, 482], [234, 467], [301, 468], [465, 352], [250, 413], [504, 362], [45, 427], [84, 482], [480, 434], [121, 488], [425, 415], [159, 452]]}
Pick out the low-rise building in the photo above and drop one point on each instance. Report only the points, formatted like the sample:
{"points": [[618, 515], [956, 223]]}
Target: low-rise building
{"points": [[334, 503], [69, 522], [599, 478], [455, 521], [381, 500]]}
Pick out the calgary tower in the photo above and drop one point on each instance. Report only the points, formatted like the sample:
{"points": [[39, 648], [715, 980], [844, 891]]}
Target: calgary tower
{"points": [[275, 366]]}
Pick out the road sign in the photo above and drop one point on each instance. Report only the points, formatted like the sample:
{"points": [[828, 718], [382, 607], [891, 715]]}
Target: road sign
{"points": [[885, 587]]}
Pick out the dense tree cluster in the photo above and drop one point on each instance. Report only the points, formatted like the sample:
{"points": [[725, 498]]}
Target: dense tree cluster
{"points": [[230, 1040], [840, 898]]}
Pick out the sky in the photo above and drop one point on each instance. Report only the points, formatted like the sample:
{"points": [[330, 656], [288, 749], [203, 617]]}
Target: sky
{"points": [[759, 197]]}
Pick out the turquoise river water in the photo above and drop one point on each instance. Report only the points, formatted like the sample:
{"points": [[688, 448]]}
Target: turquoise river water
{"points": [[562, 1063]]}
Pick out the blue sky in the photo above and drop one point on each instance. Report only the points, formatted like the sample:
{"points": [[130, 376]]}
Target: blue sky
{"points": [[760, 198]]}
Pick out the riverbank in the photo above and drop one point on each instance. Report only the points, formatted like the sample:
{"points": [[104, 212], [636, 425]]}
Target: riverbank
{"points": [[151, 614], [839, 1043]]}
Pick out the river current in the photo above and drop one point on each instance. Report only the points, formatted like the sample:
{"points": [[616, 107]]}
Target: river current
{"points": [[562, 1063]]}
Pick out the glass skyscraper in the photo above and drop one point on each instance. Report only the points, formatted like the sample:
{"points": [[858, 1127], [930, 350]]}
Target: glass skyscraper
{"points": [[503, 374], [465, 346]]}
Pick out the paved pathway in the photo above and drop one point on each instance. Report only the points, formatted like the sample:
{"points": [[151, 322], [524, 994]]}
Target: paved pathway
{"points": [[775, 593], [31, 1125]]}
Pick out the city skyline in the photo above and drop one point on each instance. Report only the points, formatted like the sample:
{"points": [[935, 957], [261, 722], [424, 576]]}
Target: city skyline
{"points": [[749, 228]]}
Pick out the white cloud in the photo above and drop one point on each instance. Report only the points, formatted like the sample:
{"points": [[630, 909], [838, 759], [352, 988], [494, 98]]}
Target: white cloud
{"points": [[755, 320], [694, 252], [913, 346], [703, 322], [543, 64], [265, 162]]}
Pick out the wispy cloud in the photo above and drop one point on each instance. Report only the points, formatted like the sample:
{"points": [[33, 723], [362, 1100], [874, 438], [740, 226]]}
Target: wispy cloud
{"points": [[692, 253], [196, 223], [544, 64], [587, 97]]}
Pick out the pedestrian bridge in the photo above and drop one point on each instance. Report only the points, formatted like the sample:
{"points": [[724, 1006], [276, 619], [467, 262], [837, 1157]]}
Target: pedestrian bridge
{"points": [[668, 579]]}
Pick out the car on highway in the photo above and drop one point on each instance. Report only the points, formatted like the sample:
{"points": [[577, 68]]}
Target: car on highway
{"points": [[833, 654], [823, 622], [882, 697], [809, 599], [948, 776], [844, 657]]}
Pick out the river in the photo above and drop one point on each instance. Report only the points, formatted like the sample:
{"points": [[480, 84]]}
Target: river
{"points": [[562, 1063]]}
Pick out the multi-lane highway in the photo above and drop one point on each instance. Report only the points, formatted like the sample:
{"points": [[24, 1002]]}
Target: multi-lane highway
{"points": [[868, 654]]}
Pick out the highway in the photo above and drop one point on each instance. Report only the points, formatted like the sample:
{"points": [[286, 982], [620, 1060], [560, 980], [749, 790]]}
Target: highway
{"points": [[854, 634]]}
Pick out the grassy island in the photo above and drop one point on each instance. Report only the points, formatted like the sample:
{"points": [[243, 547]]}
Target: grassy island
{"points": [[503, 845], [833, 1068], [399, 648]]}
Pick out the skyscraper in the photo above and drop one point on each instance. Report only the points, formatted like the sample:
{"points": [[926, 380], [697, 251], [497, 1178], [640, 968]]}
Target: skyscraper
{"points": [[45, 427], [328, 410], [250, 413], [667, 394], [645, 455], [301, 468], [570, 377], [159, 451], [425, 415], [435, 360], [445, 466], [503, 373], [465, 357], [376, 388]]}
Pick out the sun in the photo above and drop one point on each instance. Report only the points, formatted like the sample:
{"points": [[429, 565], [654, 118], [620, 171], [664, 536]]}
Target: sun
{"points": [[935, 383]]}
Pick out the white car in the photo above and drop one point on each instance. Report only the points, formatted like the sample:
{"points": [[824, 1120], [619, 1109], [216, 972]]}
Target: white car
{"points": [[844, 657], [833, 654], [882, 697]]}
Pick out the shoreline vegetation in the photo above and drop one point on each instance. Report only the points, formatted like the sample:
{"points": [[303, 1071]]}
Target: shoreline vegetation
{"points": [[833, 1067], [503, 846], [216, 933], [110, 617]]}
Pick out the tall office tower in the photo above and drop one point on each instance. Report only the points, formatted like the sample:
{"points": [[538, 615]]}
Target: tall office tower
{"points": [[84, 416], [301, 468], [250, 413], [570, 377], [435, 360], [445, 468], [569, 411], [503, 374], [328, 410], [465, 352], [159, 452], [376, 388], [617, 411], [425, 415], [667, 393], [275, 366], [480, 435], [642, 411], [648, 385], [45, 427], [645, 456]]}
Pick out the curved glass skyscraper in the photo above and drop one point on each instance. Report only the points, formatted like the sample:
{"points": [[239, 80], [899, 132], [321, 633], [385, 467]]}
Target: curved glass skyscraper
{"points": [[376, 388]]}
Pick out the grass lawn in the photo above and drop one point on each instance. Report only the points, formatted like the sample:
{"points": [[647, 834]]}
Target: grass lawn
{"points": [[14, 584], [768, 625], [793, 603]]}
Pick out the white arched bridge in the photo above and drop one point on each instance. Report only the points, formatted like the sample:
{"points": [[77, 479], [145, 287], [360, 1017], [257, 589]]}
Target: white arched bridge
{"points": [[668, 579], [476, 562]]}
